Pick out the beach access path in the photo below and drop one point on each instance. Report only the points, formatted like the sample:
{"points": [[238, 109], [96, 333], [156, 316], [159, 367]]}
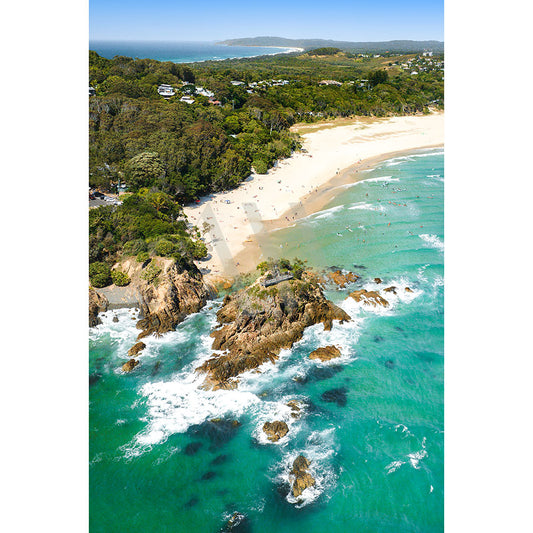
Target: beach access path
{"points": [[296, 186]]}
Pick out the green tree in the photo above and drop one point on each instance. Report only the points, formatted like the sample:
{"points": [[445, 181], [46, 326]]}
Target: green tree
{"points": [[143, 170]]}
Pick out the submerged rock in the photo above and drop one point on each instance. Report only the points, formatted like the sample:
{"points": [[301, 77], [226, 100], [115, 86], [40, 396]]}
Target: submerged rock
{"points": [[338, 396], [136, 348], [192, 448], [130, 365], [302, 478], [369, 297], [219, 431], [326, 353], [256, 323], [275, 430]]}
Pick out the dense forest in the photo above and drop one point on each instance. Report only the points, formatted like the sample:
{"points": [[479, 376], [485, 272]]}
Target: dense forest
{"points": [[169, 151]]}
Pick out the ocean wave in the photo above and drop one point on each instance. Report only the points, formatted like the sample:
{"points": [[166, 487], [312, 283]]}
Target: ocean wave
{"points": [[432, 241], [367, 207]]}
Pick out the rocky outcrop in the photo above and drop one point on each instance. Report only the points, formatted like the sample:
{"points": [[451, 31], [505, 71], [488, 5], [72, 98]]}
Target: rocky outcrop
{"points": [[326, 353], [369, 297], [130, 365], [302, 478], [136, 348], [342, 279], [176, 294], [390, 289], [407, 289], [97, 304], [378, 280], [275, 430], [296, 407], [257, 322]]}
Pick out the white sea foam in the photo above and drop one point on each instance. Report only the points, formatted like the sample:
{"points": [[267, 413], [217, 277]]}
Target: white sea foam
{"points": [[367, 207], [432, 241], [392, 467]]}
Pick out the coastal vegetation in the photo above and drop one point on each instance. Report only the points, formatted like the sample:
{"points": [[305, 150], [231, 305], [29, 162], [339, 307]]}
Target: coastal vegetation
{"points": [[167, 151]]}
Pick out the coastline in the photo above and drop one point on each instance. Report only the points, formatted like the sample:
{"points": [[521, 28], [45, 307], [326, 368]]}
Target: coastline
{"points": [[334, 153]]}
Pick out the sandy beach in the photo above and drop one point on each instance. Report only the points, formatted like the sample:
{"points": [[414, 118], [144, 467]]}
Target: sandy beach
{"points": [[332, 153]]}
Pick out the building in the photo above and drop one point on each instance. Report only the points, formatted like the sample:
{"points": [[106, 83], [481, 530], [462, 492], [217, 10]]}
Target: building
{"points": [[237, 83], [329, 82], [187, 99], [165, 90], [214, 102], [204, 92]]}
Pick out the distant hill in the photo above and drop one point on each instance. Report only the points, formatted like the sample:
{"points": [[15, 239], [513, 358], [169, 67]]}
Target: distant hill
{"points": [[381, 46]]}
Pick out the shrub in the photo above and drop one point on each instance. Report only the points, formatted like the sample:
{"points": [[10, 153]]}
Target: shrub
{"points": [[151, 272], [120, 279], [142, 257], [164, 248], [260, 166], [100, 275], [134, 247], [199, 250]]}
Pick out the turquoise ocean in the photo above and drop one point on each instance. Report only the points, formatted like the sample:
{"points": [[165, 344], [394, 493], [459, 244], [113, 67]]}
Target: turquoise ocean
{"points": [[373, 422], [179, 51]]}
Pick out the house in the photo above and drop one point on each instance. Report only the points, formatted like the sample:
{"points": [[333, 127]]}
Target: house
{"points": [[329, 82], [204, 92], [214, 102], [187, 99], [237, 83], [92, 91], [165, 90]]}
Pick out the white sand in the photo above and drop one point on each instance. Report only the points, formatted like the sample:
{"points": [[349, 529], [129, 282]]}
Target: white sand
{"points": [[329, 152]]}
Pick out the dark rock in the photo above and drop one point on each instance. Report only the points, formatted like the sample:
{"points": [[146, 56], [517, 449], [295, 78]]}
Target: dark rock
{"points": [[302, 477], [130, 365], [389, 364], [94, 378], [390, 289], [378, 280], [338, 396], [136, 348], [178, 294], [360, 266], [192, 502], [238, 523], [156, 368], [369, 297], [219, 459], [326, 353], [219, 431], [115, 318], [341, 279], [275, 430], [97, 304], [192, 448], [378, 338], [296, 407], [208, 475]]}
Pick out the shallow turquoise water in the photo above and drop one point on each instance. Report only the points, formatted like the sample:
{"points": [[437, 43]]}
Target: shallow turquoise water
{"points": [[158, 464]]}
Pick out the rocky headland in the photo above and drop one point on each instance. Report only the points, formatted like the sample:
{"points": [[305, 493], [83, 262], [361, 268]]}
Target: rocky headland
{"points": [[257, 322]]}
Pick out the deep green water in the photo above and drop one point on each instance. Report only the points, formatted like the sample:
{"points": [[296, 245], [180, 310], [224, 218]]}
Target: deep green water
{"points": [[157, 463]]}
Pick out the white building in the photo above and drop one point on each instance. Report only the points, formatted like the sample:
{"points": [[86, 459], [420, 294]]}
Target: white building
{"points": [[165, 90], [187, 99]]}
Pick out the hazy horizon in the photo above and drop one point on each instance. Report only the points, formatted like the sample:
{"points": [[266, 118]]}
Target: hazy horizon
{"points": [[347, 20]]}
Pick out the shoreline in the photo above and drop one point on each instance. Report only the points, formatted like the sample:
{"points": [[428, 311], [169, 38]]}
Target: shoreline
{"points": [[333, 153]]}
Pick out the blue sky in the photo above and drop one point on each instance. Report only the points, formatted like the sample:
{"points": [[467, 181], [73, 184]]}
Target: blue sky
{"points": [[206, 20]]}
